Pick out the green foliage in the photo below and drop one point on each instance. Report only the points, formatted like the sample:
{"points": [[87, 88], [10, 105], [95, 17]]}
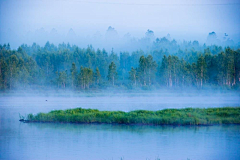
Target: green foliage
{"points": [[73, 71], [201, 69], [112, 73], [62, 79], [133, 76], [146, 70], [85, 77], [57, 66], [187, 116], [97, 76]]}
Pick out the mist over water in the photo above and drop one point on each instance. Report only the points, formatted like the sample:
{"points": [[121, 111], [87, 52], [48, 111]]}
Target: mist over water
{"points": [[49, 42], [123, 102], [76, 141]]}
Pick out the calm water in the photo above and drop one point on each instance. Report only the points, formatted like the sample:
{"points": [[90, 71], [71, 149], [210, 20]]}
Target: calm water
{"points": [[74, 141]]}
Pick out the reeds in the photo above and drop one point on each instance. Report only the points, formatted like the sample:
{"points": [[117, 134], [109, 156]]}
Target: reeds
{"points": [[186, 116]]}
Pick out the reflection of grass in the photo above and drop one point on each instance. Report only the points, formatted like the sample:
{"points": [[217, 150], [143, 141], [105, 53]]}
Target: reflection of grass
{"points": [[187, 116]]}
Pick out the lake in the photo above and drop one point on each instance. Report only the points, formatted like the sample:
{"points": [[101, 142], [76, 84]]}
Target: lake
{"points": [[114, 142]]}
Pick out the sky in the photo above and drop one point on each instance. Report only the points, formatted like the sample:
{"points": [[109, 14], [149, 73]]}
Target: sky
{"points": [[183, 19]]}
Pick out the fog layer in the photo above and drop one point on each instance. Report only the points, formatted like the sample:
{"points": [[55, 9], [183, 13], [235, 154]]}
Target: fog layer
{"points": [[87, 22]]}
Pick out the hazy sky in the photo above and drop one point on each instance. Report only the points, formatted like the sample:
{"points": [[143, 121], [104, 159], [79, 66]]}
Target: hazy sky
{"points": [[177, 17]]}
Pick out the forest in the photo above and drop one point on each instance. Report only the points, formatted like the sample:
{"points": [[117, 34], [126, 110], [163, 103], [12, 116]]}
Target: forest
{"points": [[164, 64]]}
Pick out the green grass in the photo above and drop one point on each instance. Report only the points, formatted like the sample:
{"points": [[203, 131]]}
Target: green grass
{"points": [[186, 116]]}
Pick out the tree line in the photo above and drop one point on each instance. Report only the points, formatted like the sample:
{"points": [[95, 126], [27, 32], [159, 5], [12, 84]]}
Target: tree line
{"points": [[70, 67]]}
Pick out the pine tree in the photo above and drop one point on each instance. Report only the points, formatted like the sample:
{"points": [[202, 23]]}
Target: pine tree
{"points": [[230, 66], [163, 71], [237, 66], [221, 70], [63, 78], [97, 76], [169, 70], [85, 77], [151, 69], [175, 69], [13, 70], [202, 69], [142, 70], [73, 74], [112, 73], [3, 74], [195, 75], [133, 76]]}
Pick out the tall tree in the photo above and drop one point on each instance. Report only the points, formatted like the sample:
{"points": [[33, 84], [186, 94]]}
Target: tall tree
{"points": [[112, 73], [221, 70], [13, 70], [85, 77], [133, 76], [142, 70], [237, 67], [175, 69], [97, 76], [163, 71], [230, 66], [3, 74], [151, 69], [169, 70], [62, 79], [202, 69], [73, 75]]}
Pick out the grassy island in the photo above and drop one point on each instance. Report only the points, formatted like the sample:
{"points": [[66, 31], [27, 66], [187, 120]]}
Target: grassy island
{"points": [[186, 116]]}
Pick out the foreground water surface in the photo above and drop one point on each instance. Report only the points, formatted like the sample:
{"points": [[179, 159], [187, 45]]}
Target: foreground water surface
{"points": [[75, 141]]}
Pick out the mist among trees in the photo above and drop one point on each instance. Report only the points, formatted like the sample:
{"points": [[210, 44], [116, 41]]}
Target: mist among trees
{"points": [[163, 63]]}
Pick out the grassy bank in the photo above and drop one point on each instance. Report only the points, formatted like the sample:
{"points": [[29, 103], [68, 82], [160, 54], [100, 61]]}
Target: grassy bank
{"points": [[186, 116]]}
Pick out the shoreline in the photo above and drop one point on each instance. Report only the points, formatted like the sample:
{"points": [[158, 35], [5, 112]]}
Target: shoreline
{"points": [[133, 124]]}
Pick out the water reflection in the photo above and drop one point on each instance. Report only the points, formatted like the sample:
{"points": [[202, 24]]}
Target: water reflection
{"points": [[107, 142], [93, 141]]}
